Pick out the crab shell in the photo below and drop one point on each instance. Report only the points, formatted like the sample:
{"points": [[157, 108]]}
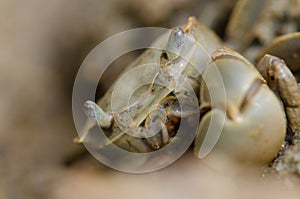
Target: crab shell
{"points": [[254, 126]]}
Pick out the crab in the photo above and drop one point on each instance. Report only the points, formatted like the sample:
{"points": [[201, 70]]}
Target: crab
{"points": [[144, 113], [147, 121], [148, 118]]}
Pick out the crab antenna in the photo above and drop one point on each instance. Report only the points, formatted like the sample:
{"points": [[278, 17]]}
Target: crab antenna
{"points": [[95, 113]]}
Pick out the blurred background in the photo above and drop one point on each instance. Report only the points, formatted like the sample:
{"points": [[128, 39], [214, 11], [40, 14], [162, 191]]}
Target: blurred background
{"points": [[43, 44]]}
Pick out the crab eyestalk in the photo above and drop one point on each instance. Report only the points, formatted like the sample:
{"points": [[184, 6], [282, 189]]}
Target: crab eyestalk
{"points": [[96, 114], [175, 43]]}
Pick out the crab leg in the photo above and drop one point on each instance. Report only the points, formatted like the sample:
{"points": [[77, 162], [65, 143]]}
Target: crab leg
{"points": [[154, 124], [280, 78]]}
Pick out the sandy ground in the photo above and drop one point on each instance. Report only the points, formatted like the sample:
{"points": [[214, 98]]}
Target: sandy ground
{"points": [[42, 46]]}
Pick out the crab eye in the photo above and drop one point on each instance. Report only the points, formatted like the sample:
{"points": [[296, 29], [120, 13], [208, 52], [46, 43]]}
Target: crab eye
{"points": [[175, 43], [178, 36]]}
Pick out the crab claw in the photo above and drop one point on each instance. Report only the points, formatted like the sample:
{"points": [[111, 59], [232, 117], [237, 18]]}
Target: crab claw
{"points": [[254, 127]]}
